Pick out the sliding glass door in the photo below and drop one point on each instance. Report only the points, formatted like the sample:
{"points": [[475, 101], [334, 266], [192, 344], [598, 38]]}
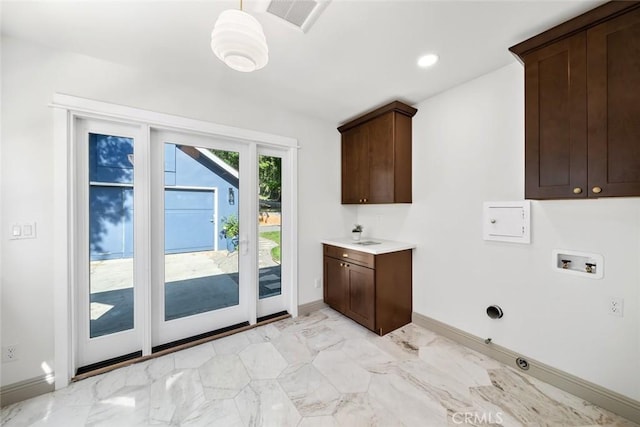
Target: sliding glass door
{"points": [[179, 235], [198, 242]]}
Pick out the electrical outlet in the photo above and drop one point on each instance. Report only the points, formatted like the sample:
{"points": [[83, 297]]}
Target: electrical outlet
{"points": [[10, 353], [616, 306], [317, 283]]}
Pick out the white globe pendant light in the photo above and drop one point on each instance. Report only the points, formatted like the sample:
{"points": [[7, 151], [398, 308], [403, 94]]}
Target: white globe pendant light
{"points": [[238, 40]]}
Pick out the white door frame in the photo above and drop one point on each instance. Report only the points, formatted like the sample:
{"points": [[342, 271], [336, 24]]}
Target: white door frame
{"points": [[92, 350], [163, 331], [66, 109]]}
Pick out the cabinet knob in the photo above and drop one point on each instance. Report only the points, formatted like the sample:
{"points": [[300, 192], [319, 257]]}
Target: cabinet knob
{"points": [[364, 200], [360, 200], [345, 255], [577, 190], [597, 190]]}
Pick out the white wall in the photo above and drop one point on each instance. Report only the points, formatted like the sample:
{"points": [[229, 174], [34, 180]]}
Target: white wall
{"points": [[468, 148], [30, 76]]}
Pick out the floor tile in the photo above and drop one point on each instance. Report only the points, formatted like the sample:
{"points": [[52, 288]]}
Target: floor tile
{"points": [[194, 357], [215, 413], [343, 373], [231, 344], [324, 421], [362, 410], [223, 376], [321, 369], [173, 397], [405, 402], [264, 403], [516, 395], [366, 354], [262, 361], [293, 348], [311, 393], [129, 407]]}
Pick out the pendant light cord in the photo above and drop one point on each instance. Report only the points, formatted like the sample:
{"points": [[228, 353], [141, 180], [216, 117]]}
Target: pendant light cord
{"points": [[241, 5]]}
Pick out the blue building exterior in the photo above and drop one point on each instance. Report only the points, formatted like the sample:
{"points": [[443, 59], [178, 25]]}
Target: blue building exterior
{"points": [[200, 191]]}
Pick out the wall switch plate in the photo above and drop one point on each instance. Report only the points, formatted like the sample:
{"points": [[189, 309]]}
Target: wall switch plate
{"points": [[26, 230], [316, 283], [616, 306]]}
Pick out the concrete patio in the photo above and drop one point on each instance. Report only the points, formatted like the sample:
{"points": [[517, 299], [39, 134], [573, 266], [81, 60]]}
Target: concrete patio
{"points": [[195, 282]]}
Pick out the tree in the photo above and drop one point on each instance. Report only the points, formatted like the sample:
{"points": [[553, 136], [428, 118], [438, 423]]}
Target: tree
{"points": [[232, 158], [270, 175], [269, 172]]}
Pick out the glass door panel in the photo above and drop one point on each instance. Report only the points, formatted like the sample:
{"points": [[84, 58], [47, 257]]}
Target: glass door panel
{"points": [[201, 281], [269, 226], [271, 298], [107, 295], [201, 232]]}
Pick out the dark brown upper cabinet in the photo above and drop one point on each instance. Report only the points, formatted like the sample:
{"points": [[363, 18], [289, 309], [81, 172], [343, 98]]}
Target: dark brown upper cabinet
{"points": [[582, 108], [376, 156]]}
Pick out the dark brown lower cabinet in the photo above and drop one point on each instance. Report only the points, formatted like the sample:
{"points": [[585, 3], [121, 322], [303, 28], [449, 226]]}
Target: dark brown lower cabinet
{"points": [[373, 290]]}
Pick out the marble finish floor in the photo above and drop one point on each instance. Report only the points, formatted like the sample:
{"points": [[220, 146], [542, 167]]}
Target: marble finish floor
{"points": [[316, 370]]}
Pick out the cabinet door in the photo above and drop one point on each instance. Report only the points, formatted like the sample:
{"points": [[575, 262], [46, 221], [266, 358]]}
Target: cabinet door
{"points": [[381, 159], [614, 106], [335, 283], [360, 304], [555, 116], [355, 165]]}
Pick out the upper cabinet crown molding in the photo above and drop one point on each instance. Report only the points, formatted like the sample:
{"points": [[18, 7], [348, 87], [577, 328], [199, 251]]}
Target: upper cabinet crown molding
{"points": [[396, 106], [578, 24], [582, 112], [376, 156]]}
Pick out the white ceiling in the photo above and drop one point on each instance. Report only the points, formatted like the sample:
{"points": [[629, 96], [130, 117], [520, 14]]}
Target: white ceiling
{"points": [[358, 55]]}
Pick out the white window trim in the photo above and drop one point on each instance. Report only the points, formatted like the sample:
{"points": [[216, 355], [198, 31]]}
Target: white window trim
{"points": [[65, 109]]}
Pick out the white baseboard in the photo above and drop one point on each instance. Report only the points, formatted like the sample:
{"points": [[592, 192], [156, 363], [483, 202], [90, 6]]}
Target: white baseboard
{"points": [[310, 307], [598, 395], [26, 389]]}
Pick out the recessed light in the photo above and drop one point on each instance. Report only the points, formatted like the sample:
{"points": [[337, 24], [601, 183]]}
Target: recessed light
{"points": [[427, 60]]}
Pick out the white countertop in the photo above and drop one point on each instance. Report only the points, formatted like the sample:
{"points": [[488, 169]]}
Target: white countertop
{"points": [[384, 247]]}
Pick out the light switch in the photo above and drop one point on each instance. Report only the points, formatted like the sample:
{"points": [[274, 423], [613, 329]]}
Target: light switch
{"points": [[25, 230]]}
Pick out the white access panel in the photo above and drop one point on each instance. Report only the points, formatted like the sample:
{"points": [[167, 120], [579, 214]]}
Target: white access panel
{"points": [[507, 221]]}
